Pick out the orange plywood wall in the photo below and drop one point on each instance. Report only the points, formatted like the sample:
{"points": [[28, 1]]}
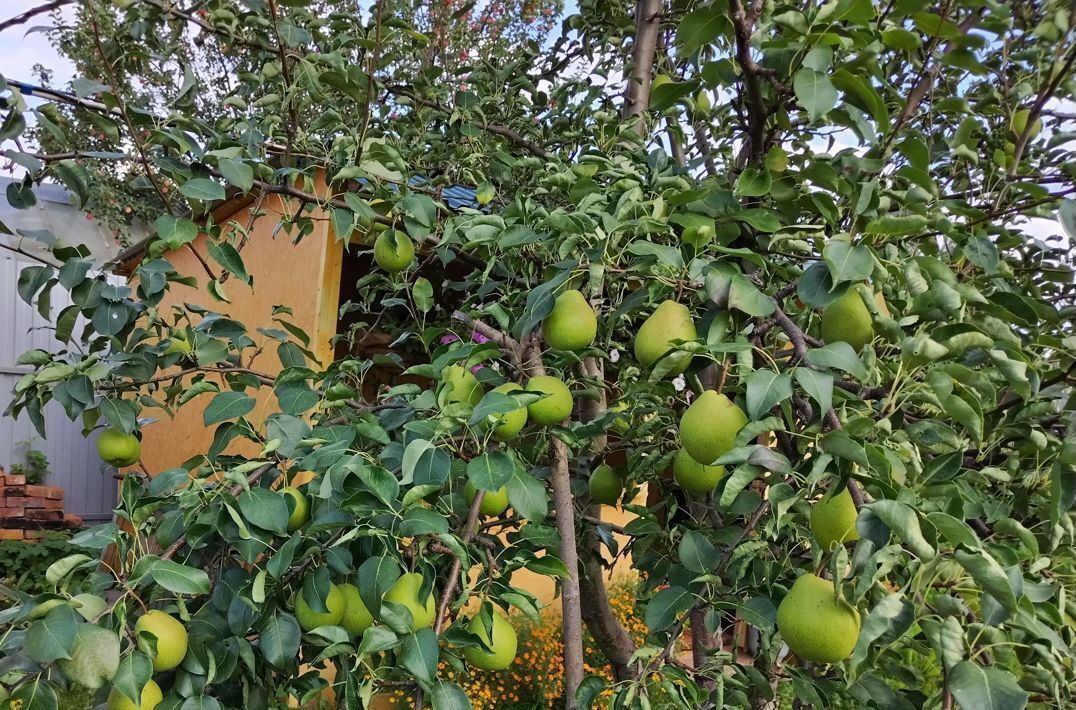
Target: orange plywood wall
{"points": [[305, 277]]}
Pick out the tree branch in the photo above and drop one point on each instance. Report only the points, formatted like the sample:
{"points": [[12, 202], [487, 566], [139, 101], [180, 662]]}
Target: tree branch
{"points": [[32, 13], [449, 591], [743, 22]]}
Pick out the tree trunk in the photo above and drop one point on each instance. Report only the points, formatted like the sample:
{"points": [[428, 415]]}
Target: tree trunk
{"points": [[647, 26], [564, 504], [609, 634]]}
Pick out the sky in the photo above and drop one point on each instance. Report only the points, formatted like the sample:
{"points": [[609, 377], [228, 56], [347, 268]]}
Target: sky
{"points": [[21, 48]]}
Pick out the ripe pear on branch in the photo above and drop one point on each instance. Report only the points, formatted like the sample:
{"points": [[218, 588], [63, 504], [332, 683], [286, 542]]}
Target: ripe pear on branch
{"points": [[670, 322], [572, 325], [816, 625]]}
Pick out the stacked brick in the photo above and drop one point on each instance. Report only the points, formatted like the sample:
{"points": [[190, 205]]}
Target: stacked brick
{"points": [[27, 510]]}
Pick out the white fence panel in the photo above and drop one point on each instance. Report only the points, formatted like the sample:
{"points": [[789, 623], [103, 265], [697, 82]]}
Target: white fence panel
{"points": [[89, 489]]}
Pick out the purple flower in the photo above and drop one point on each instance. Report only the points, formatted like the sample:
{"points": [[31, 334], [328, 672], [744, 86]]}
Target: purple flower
{"points": [[476, 368], [449, 338], [479, 338]]}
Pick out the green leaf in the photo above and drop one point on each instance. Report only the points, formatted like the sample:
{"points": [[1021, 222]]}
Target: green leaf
{"points": [[893, 225], [377, 638], [697, 553], [817, 385], [227, 256], [180, 579], [51, 638], [744, 296], [227, 405], [237, 173], [753, 182], [38, 694], [449, 696], [422, 293], [418, 654], [424, 464], [278, 639], [527, 495], [490, 471], [375, 576], [989, 575], [838, 356], [815, 92], [887, 621], [662, 610], [134, 672], [847, 262], [699, 28], [202, 189], [1066, 214], [264, 508], [175, 231], [992, 688], [902, 520], [765, 389]]}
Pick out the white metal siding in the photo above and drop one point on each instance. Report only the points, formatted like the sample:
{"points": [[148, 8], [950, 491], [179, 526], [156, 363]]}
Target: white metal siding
{"points": [[89, 489]]}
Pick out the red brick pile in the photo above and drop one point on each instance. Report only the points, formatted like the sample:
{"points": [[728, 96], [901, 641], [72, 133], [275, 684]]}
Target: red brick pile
{"points": [[27, 510]]}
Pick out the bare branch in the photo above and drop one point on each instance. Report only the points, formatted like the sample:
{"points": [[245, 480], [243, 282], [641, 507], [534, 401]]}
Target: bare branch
{"points": [[32, 13], [449, 591]]}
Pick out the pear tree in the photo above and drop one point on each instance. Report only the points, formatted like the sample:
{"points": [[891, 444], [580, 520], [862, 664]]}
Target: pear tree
{"points": [[789, 283]]}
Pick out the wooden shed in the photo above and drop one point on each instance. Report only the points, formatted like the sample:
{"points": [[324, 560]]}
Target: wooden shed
{"points": [[303, 276], [312, 278]]}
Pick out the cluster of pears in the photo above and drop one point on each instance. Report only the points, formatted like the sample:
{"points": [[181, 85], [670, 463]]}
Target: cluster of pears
{"points": [[171, 641], [460, 386], [708, 430], [118, 448], [814, 622], [345, 607]]}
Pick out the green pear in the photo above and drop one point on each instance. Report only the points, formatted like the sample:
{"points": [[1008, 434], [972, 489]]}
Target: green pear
{"points": [[709, 427], [847, 319], [405, 592], [693, 476], [1019, 123], [833, 519], [670, 321], [171, 638], [493, 503], [815, 624], [502, 644], [572, 324], [460, 386], [300, 513], [94, 657], [357, 618], [605, 485], [118, 448], [394, 257], [510, 423], [150, 698], [555, 407], [309, 619]]}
